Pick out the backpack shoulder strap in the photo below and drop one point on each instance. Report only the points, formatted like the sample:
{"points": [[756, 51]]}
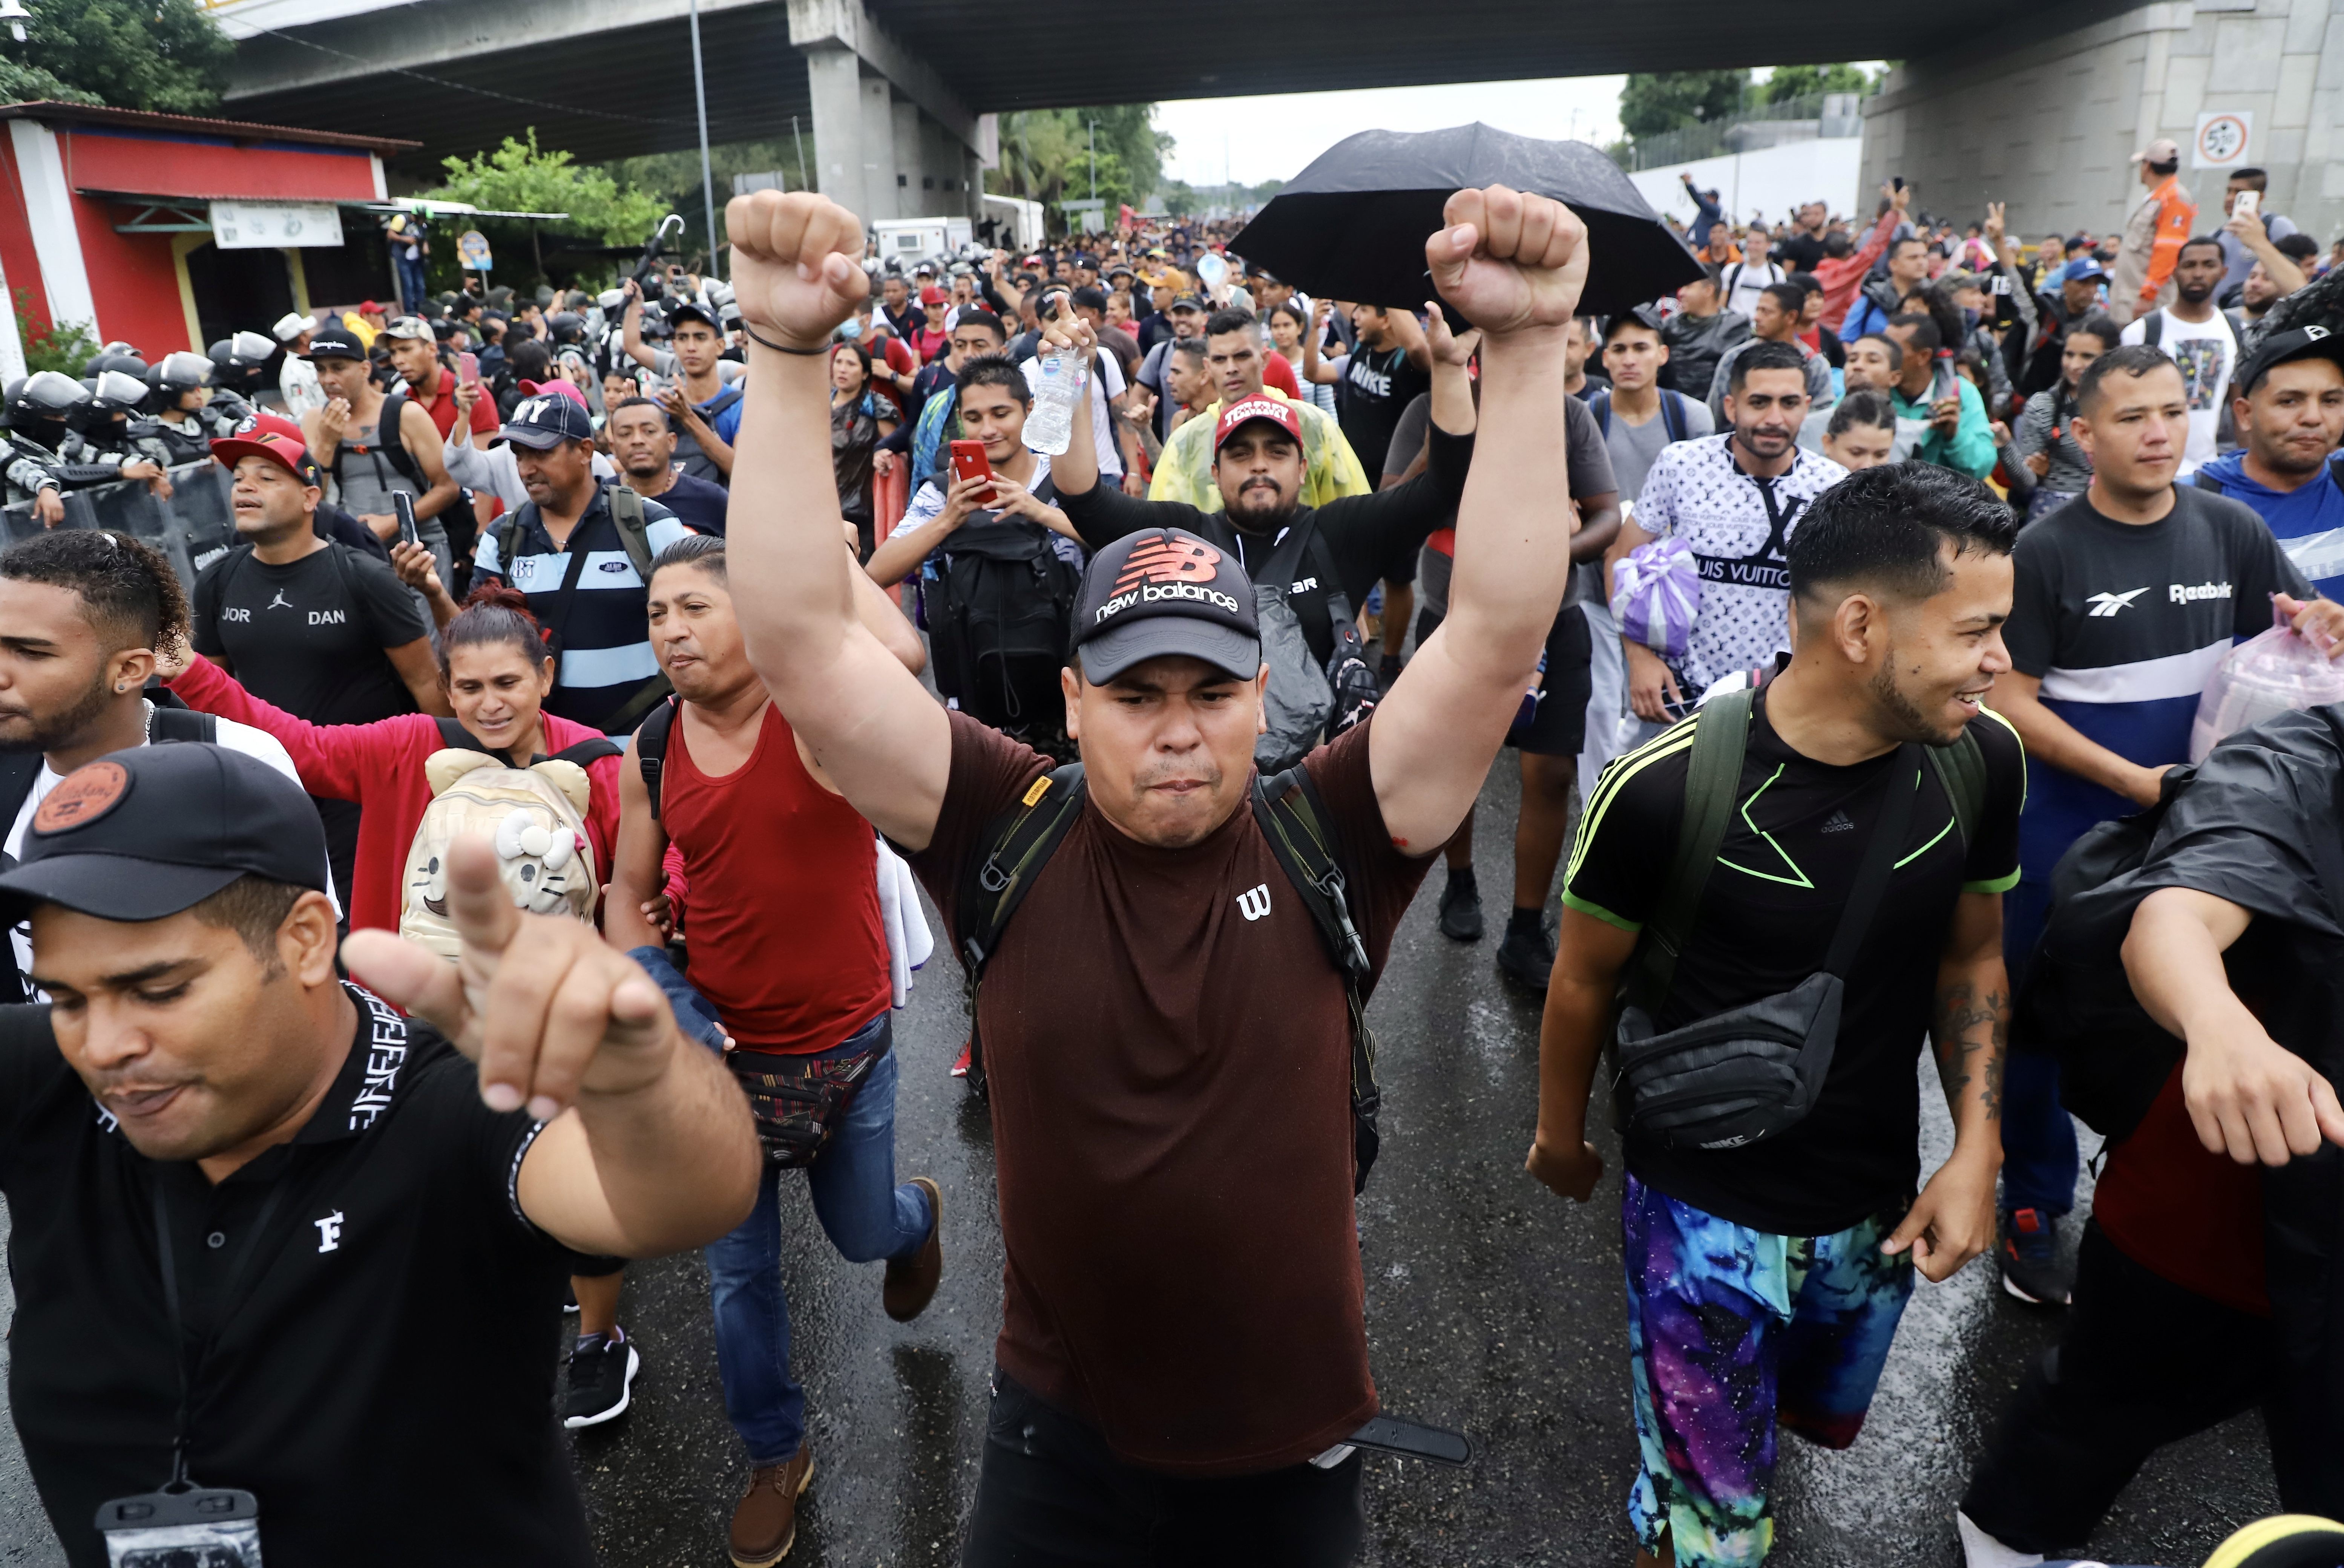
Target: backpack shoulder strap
{"points": [[2152, 328], [1720, 738], [1019, 844], [1673, 414], [2206, 481], [509, 541], [388, 441], [166, 724], [634, 532], [1961, 770], [591, 751], [651, 749], [454, 737], [1601, 406]]}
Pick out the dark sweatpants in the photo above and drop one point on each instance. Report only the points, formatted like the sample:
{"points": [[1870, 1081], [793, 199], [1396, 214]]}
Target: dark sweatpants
{"points": [[2143, 1363], [1052, 1494]]}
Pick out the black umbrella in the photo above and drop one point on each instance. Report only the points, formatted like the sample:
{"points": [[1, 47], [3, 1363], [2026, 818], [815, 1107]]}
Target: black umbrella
{"points": [[1353, 225]]}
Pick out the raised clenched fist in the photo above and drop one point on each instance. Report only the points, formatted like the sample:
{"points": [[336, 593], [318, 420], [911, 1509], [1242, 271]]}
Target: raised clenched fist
{"points": [[1511, 261], [797, 264]]}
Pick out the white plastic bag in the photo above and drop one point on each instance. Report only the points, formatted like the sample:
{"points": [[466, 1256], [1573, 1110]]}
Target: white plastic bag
{"points": [[2266, 675]]}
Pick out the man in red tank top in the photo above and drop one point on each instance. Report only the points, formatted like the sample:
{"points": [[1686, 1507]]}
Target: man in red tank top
{"points": [[768, 845]]}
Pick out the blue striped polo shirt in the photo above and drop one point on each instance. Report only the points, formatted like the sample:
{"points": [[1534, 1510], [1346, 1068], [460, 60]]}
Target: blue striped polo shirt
{"points": [[606, 646], [2124, 624]]}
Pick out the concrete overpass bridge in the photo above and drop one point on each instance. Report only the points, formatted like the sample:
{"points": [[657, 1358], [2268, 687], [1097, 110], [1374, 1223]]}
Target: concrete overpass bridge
{"points": [[2039, 102]]}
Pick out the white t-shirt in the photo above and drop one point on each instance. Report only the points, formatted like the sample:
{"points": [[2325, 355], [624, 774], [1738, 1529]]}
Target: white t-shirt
{"points": [[2207, 353], [254, 743], [1106, 383], [1697, 492], [1745, 281]]}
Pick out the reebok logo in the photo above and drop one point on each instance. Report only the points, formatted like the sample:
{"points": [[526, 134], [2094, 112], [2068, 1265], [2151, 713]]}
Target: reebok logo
{"points": [[1837, 823], [330, 1232], [2185, 593], [1253, 902], [2105, 605]]}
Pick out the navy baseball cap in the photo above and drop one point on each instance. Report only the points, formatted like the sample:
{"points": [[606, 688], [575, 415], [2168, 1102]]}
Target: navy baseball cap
{"points": [[143, 834], [2083, 270], [1165, 592], [545, 420]]}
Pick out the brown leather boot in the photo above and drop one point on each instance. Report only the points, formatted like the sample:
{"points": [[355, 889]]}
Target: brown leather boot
{"points": [[912, 1281], [765, 1520]]}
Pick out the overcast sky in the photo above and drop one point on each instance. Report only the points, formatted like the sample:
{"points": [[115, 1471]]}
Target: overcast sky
{"points": [[1254, 139]]}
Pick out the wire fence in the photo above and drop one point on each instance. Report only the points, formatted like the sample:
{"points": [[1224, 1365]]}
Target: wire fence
{"points": [[1754, 125]]}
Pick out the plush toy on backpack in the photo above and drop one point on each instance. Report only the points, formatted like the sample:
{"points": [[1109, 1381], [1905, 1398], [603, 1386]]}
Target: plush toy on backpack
{"points": [[536, 817]]}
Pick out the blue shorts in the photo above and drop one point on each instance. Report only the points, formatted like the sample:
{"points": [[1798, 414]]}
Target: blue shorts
{"points": [[1730, 1332]]}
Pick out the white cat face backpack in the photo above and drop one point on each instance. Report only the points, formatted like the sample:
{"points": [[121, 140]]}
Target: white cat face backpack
{"points": [[536, 817]]}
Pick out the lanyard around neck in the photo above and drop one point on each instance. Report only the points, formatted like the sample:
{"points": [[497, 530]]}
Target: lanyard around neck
{"points": [[165, 1255]]}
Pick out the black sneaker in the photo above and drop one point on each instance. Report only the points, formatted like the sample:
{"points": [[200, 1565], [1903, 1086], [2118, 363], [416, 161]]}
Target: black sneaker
{"points": [[1460, 908], [601, 1377], [1528, 953], [1388, 670], [2029, 1256]]}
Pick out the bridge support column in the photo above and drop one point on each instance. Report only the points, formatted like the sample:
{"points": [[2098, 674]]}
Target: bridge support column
{"points": [[2049, 126], [834, 83], [877, 107]]}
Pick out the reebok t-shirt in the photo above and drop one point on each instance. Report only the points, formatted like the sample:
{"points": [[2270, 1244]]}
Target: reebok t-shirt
{"points": [[1767, 915]]}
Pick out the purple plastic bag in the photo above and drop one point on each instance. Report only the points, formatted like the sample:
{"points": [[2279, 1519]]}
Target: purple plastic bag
{"points": [[2268, 674], [1655, 594]]}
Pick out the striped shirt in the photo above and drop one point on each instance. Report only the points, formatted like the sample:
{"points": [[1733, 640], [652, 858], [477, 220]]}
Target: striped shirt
{"points": [[605, 643], [2124, 624]]}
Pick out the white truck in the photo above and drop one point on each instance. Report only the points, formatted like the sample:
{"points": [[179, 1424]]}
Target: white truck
{"points": [[908, 241]]}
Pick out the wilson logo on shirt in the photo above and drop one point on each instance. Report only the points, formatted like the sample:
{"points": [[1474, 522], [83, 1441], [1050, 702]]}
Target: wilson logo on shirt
{"points": [[2105, 605], [1253, 902]]}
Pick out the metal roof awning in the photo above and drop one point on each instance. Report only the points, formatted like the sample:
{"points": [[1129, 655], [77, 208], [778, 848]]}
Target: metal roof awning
{"points": [[425, 206], [57, 113]]}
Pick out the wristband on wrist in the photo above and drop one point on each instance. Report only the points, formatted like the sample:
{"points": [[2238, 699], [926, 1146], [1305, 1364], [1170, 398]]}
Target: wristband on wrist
{"points": [[781, 348]]}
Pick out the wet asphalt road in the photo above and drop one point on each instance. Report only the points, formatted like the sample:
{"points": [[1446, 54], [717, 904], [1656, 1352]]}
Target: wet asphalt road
{"points": [[1491, 1307]]}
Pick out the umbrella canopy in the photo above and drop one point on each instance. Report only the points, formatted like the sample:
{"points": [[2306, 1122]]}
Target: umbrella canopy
{"points": [[1353, 225]]}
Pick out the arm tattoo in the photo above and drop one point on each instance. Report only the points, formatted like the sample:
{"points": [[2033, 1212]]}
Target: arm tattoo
{"points": [[1967, 1027]]}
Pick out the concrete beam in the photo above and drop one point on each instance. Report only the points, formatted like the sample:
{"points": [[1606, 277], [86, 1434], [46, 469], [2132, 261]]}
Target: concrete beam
{"points": [[878, 145], [848, 23], [909, 121], [367, 40], [834, 78]]}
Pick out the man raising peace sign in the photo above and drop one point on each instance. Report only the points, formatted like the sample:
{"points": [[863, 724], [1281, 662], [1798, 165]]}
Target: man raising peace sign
{"points": [[1167, 1039]]}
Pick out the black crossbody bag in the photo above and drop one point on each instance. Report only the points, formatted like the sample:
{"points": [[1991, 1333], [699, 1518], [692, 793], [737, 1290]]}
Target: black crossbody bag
{"points": [[1751, 1071]]}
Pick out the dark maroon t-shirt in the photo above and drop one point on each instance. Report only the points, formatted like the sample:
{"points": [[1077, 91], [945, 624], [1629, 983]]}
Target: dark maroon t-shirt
{"points": [[1172, 1126]]}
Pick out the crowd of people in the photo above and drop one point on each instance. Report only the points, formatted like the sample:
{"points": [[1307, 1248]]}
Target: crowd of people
{"points": [[1833, 604]]}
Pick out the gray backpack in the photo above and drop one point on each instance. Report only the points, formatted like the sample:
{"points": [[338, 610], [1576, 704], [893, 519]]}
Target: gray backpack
{"points": [[1307, 701]]}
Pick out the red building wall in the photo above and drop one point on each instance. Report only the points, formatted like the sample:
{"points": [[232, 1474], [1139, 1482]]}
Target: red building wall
{"points": [[132, 280], [16, 256], [151, 164]]}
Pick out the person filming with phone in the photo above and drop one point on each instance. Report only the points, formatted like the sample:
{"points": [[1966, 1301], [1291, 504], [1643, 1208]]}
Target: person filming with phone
{"points": [[986, 527]]}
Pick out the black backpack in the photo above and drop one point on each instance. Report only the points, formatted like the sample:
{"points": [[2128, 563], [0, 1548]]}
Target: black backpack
{"points": [[1672, 412], [1291, 817], [2077, 999], [1003, 595]]}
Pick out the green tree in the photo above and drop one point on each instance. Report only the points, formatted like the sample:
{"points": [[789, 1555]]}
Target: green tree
{"points": [[672, 180], [1653, 103], [63, 346], [164, 54], [1806, 81], [30, 83], [1046, 154], [523, 177]]}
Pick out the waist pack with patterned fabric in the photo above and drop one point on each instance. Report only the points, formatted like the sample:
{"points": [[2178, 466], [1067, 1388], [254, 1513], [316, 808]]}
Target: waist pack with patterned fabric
{"points": [[798, 1101]]}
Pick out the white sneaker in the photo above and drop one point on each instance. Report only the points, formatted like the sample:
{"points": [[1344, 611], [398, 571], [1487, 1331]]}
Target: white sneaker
{"points": [[1980, 1550]]}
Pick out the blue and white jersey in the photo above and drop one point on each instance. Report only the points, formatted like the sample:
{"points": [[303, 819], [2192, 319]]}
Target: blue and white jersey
{"points": [[605, 641], [2124, 624]]}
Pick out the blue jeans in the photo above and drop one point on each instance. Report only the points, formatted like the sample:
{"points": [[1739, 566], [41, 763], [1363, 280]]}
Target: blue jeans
{"points": [[866, 1216], [2039, 1159]]}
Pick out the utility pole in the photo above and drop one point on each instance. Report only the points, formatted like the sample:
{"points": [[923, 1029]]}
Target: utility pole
{"points": [[1094, 131], [707, 179], [799, 136]]}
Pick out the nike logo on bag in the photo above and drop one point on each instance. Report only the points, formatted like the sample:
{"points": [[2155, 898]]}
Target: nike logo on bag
{"points": [[1253, 902], [2105, 605]]}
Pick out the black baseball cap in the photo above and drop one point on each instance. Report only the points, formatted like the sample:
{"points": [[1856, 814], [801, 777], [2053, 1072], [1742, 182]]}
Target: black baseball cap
{"points": [[2285, 348], [545, 421], [143, 834], [1161, 592], [692, 310], [1189, 302], [334, 341]]}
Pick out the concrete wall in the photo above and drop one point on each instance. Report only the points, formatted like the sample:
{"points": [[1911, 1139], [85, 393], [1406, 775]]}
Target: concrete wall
{"points": [[2048, 125], [1771, 180]]}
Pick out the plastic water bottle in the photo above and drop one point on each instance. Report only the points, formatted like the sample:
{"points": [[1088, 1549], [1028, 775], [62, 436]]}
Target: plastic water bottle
{"points": [[1051, 426]]}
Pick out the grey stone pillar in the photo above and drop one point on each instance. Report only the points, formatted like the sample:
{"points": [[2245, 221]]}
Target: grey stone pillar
{"points": [[834, 83]]}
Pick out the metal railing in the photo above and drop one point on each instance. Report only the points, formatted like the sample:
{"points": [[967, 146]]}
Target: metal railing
{"points": [[1752, 125]]}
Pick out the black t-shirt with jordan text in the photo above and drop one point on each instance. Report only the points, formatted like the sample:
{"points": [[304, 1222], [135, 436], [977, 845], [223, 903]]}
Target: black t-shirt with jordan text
{"points": [[308, 636], [1767, 916], [380, 1374]]}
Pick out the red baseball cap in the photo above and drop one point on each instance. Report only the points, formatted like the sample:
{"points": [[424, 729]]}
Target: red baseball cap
{"points": [[932, 295], [1246, 410], [273, 436]]}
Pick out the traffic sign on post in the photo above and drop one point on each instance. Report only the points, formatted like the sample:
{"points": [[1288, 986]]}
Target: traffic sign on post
{"points": [[473, 250]]}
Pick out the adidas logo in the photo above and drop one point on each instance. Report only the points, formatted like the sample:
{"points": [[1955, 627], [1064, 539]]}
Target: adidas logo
{"points": [[1838, 823]]}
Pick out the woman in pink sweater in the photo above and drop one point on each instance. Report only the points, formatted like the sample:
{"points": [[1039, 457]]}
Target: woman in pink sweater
{"points": [[495, 668]]}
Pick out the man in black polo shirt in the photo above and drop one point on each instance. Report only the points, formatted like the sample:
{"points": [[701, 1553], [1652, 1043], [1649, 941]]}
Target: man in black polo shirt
{"points": [[321, 630], [571, 559], [354, 1241]]}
